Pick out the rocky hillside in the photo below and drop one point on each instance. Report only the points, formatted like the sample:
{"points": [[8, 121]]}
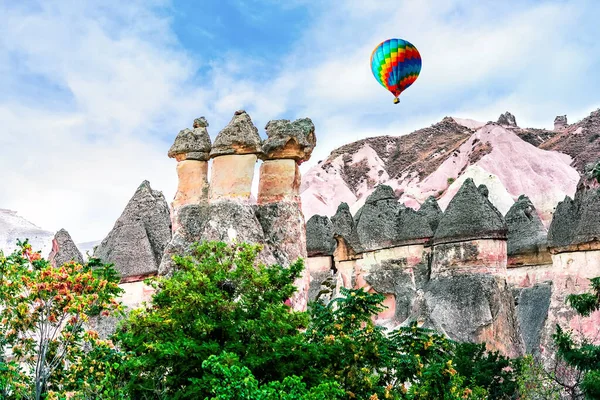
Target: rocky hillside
{"points": [[13, 227], [511, 161]]}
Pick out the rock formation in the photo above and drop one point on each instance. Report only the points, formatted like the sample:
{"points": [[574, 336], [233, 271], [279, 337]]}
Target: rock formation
{"points": [[138, 239], [560, 122], [377, 223], [470, 215], [319, 236], [64, 250], [576, 221], [276, 221], [191, 150], [527, 236], [507, 119], [234, 156], [435, 161], [432, 211]]}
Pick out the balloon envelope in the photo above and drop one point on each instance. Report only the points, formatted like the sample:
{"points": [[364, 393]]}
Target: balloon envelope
{"points": [[396, 64]]}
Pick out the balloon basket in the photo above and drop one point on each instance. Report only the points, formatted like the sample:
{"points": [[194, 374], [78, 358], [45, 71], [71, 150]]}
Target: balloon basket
{"points": [[396, 100]]}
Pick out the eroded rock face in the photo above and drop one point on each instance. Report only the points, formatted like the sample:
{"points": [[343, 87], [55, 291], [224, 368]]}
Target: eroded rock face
{"points": [[470, 215], [432, 211], [319, 236], [378, 226], [290, 140], [285, 235], [240, 136], [474, 308], [138, 239], [526, 237], [226, 221], [507, 119], [533, 304], [284, 230], [192, 144], [64, 250]]}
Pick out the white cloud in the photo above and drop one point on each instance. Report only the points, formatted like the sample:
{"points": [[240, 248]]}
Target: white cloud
{"points": [[124, 86]]}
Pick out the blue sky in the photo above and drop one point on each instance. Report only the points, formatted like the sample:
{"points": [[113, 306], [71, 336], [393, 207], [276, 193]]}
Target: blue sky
{"points": [[92, 94]]}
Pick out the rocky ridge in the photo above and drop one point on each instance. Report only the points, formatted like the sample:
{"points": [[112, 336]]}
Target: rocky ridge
{"points": [[435, 161]]}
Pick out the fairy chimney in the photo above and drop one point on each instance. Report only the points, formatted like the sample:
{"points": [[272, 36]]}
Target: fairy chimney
{"points": [[288, 145], [234, 153], [191, 150]]}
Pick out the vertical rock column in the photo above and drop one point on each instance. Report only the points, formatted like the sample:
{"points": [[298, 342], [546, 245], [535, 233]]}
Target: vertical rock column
{"points": [[467, 296], [278, 210], [234, 155], [191, 150]]}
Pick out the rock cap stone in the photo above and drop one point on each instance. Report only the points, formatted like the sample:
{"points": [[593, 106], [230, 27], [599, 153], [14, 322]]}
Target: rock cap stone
{"points": [[470, 216], [289, 140], [526, 232], [192, 144], [240, 136]]}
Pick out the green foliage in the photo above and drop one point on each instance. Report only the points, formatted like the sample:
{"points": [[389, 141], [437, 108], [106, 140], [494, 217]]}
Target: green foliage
{"points": [[450, 181], [490, 370], [219, 299], [44, 311], [535, 383], [229, 380], [220, 328]]}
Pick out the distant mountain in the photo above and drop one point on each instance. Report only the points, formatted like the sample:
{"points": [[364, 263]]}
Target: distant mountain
{"points": [[13, 227], [510, 160]]}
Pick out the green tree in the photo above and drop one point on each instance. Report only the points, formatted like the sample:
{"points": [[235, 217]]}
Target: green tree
{"points": [[43, 313], [498, 374], [220, 299]]}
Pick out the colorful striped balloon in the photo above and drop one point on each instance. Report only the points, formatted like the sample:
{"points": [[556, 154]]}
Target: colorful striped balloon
{"points": [[396, 64]]}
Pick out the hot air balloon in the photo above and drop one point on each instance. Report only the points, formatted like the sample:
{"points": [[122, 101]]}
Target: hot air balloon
{"points": [[396, 64]]}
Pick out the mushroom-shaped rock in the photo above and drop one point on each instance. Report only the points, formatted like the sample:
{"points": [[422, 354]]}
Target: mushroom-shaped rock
{"points": [[526, 232], [319, 236], [432, 211], [413, 226], [507, 119], [64, 250], [240, 136], [192, 144], [378, 226], [289, 140], [470, 216]]}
